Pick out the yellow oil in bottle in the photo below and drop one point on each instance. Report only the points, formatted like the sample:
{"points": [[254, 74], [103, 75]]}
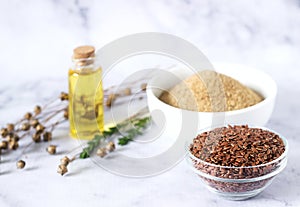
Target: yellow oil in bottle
{"points": [[85, 101]]}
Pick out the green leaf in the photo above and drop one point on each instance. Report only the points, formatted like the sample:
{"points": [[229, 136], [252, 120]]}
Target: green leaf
{"points": [[123, 141], [110, 132], [84, 155]]}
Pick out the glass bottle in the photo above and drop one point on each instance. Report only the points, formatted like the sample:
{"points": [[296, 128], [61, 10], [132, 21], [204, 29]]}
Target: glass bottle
{"points": [[85, 94]]}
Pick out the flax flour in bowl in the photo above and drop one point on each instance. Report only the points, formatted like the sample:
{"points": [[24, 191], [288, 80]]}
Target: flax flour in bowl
{"points": [[210, 91]]}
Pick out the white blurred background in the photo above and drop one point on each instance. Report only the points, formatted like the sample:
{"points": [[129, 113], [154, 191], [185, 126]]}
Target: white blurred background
{"points": [[37, 37]]}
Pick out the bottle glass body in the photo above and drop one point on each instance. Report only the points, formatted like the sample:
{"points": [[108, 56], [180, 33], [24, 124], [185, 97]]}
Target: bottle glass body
{"points": [[85, 99]]}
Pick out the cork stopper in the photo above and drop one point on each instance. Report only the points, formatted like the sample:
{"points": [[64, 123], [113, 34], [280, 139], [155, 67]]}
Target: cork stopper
{"points": [[82, 52]]}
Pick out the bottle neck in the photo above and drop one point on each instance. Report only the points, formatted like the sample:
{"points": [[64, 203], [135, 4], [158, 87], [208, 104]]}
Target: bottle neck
{"points": [[83, 63]]}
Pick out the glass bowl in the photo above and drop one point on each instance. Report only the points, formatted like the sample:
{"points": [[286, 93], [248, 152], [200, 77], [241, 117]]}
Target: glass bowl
{"points": [[238, 183]]}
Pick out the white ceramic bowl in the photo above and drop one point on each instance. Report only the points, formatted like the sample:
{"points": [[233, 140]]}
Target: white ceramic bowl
{"points": [[174, 118]]}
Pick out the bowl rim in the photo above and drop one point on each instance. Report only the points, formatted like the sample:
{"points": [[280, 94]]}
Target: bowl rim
{"points": [[280, 159], [234, 112]]}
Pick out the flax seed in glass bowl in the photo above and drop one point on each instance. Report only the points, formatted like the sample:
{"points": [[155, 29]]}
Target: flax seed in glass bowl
{"points": [[238, 162]]}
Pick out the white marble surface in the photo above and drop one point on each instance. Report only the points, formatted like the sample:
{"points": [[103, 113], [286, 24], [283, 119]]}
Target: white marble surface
{"points": [[37, 38]]}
